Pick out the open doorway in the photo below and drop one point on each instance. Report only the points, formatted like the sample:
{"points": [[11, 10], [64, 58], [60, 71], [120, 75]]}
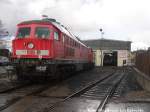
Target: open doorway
{"points": [[110, 59]]}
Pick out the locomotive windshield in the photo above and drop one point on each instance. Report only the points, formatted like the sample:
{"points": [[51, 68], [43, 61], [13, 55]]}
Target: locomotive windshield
{"points": [[24, 32], [42, 32]]}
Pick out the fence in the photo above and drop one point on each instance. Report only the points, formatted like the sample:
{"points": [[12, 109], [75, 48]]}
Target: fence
{"points": [[143, 62]]}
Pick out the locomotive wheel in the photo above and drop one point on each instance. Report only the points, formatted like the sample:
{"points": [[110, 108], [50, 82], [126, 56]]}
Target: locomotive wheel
{"points": [[53, 72], [19, 74], [22, 74]]}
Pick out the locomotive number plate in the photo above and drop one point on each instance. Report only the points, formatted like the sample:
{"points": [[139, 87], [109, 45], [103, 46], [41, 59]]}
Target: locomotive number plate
{"points": [[31, 52], [21, 52]]}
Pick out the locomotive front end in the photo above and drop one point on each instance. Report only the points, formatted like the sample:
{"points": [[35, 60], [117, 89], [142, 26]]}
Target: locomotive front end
{"points": [[32, 48], [32, 43]]}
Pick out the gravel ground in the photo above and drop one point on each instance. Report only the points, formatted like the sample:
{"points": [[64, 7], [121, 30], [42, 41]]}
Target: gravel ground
{"points": [[51, 95], [75, 83], [129, 92]]}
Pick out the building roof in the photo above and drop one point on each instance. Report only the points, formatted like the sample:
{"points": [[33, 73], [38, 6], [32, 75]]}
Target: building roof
{"points": [[106, 44]]}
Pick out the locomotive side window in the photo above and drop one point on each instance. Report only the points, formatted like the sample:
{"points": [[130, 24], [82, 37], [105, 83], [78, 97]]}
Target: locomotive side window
{"points": [[42, 32], [24, 32], [56, 36], [63, 38]]}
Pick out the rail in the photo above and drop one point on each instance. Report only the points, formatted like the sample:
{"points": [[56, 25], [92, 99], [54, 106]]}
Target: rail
{"points": [[81, 91], [110, 93]]}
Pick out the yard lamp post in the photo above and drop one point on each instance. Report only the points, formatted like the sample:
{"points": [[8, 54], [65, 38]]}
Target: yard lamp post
{"points": [[102, 33]]}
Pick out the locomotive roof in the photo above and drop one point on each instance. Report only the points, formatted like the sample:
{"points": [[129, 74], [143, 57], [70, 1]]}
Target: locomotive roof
{"points": [[57, 25]]}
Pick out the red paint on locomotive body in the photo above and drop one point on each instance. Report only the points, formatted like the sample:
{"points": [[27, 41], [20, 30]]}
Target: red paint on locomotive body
{"points": [[46, 48], [48, 40]]}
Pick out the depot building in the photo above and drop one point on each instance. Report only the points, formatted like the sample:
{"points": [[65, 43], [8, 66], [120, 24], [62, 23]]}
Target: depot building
{"points": [[110, 52]]}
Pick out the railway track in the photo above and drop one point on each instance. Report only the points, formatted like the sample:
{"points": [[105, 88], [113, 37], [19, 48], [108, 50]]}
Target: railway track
{"points": [[18, 93], [35, 90], [109, 94], [79, 92], [92, 91], [13, 87]]}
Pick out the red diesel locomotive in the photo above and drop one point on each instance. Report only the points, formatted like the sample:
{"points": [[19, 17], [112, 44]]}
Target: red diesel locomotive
{"points": [[46, 48]]}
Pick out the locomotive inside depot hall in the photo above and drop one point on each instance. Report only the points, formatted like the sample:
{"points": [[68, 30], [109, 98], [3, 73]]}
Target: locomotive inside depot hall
{"points": [[48, 49]]}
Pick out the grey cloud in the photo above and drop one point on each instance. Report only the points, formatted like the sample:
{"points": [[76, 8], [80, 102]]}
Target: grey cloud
{"points": [[5, 2], [120, 19]]}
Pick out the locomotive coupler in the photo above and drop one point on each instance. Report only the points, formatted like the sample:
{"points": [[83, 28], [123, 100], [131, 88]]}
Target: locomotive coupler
{"points": [[41, 68]]}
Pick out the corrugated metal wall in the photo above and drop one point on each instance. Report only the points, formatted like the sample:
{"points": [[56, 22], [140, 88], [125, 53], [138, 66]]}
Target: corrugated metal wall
{"points": [[143, 62]]}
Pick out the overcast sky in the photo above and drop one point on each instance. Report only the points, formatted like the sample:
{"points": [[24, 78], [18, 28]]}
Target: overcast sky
{"points": [[120, 19]]}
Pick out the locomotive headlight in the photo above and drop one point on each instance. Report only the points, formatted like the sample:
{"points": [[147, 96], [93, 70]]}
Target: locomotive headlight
{"points": [[30, 45]]}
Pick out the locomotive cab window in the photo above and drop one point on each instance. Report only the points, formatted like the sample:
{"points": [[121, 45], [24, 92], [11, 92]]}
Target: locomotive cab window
{"points": [[42, 32], [56, 36], [24, 32]]}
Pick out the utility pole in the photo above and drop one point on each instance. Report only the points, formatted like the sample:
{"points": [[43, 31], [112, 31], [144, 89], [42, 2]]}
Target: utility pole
{"points": [[102, 33]]}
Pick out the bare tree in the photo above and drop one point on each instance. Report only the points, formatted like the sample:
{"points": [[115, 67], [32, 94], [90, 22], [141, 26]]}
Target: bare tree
{"points": [[2, 29]]}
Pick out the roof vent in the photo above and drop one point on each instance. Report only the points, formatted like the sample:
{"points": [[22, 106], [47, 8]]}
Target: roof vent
{"points": [[49, 19], [57, 22]]}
